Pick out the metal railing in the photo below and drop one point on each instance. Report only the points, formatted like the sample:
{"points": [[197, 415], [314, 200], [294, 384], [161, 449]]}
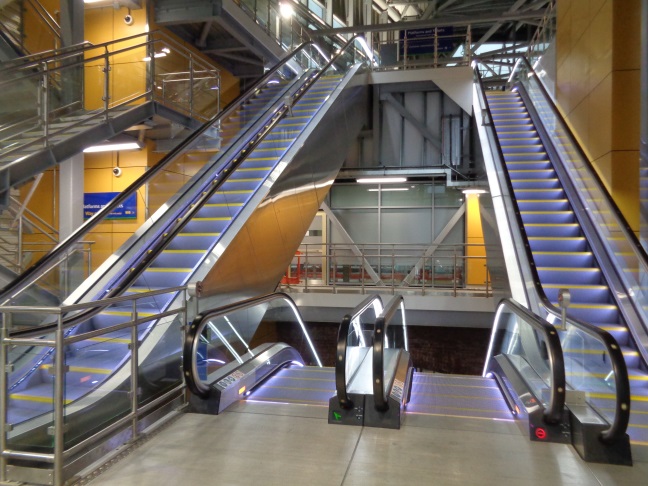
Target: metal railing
{"points": [[65, 443], [394, 267], [44, 34], [98, 80]]}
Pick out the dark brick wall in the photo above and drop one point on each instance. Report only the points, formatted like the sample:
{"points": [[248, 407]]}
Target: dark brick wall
{"points": [[439, 349]]}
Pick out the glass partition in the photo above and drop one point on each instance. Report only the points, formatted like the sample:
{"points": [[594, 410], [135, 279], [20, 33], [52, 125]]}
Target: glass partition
{"points": [[220, 340], [621, 245], [157, 190]]}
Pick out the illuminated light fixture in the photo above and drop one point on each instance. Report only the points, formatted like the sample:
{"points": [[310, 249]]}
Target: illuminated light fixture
{"points": [[156, 55], [474, 190], [118, 143], [389, 189], [286, 10], [381, 180]]}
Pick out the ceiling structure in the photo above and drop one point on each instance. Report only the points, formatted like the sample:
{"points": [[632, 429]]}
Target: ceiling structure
{"points": [[228, 32]]}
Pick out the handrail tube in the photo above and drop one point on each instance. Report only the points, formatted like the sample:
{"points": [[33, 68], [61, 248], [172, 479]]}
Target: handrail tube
{"points": [[618, 428], [380, 331], [553, 414], [39, 57], [342, 343], [195, 329], [49, 259]]}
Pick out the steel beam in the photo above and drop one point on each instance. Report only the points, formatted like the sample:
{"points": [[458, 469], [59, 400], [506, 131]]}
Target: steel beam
{"points": [[421, 127]]}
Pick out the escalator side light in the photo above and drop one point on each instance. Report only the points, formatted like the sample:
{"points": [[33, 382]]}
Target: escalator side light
{"points": [[241, 390], [541, 433]]}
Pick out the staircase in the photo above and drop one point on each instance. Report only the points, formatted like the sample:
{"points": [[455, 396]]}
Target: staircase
{"points": [[563, 259]]}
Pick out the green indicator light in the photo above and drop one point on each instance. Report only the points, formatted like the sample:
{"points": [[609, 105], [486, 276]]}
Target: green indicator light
{"points": [[337, 416]]}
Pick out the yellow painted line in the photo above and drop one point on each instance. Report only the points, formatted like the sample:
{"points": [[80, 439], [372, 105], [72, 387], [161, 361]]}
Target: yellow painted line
{"points": [[614, 328], [564, 269], [557, 238], [286, 132], [222, 218], [251, 169], [167, 270], [558, 225], [548, 212], [249, 179], [83, 369], [29, 398], [182, 252], [541, 201], [572, 253], [576, 286], [222, 205], [260, 158], [128, 313], [278, 149], [199, 234], [292, 125], [593, 306], [553, 179], [110, 340]]}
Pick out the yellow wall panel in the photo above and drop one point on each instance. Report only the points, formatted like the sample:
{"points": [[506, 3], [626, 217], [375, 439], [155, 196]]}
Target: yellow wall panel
{"points": [[563, 33], [580, 20], [599, 119], [579, 119], [626, 116], [600, 40], [579, 61], [625, 185], [627, 34], [603, 166]]}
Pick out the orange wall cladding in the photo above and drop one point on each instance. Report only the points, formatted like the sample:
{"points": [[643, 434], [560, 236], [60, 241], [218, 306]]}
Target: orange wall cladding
{"points": [[598, 90]]}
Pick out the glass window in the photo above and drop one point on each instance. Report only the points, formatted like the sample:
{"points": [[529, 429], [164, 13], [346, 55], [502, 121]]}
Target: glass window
{"points": [[354, 196], [447, 196], [417, 195]]}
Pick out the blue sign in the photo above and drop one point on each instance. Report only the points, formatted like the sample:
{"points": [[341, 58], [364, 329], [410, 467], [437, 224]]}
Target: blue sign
{"points": [[94, 201], [421, 41]]}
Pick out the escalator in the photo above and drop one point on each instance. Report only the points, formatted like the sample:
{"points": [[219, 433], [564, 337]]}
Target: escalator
{"points": [[252, 165], [547, 223]]}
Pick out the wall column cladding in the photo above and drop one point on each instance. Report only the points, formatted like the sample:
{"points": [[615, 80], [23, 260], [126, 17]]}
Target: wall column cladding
{"points": [[598, 89]]}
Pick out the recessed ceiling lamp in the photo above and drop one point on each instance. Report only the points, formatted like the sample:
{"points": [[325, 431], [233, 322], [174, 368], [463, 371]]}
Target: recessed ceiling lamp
{"points": [[286, 9], [381, 180], [117, 144], [474, 190]]}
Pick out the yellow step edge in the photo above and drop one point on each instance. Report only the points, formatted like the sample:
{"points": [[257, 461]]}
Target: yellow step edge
{"points": [[564, 269], [83, 369], [247, 179], [222, 205], [553, 179], [260, 158], [29, 398], [559, 225], [547, 212], [542, 201], [557, 238], [199, 234], [593, 306], [110, 340], [221, 218], [181, 252], [252, 169], [572, 253], [237, 191], [167, 270]]}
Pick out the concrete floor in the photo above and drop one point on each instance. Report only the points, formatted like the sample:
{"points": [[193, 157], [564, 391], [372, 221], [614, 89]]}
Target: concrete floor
{"points": [[278, 444]]}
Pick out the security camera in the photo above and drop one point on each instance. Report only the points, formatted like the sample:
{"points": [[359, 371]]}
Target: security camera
{"points": [[117, 171], [128, 19]]}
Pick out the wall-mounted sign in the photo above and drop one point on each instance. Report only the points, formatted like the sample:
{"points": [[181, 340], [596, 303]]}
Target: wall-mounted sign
{"points": [[421, 41], [94, 201]]}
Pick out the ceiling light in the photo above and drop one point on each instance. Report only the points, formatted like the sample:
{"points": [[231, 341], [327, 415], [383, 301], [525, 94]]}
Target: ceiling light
{"points": [[381, 180], [389, 189], [286, 10], [474, 190], [109, 147]]}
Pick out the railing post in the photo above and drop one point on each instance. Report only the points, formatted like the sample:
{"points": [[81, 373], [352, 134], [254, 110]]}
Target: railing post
{"points": [[134, 347], [59, 397], [191, 85], [334, 272], [454, 272], [423, 277], [362, 266], [45, 103], [393, 272], [106, 93], [436, 47], [306, 270], [4, 328], [20, 246]]}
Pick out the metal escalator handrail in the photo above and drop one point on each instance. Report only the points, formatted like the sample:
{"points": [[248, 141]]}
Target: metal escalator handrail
{"points": [[342, 343], [618, 428], [194, 331], [629, 233], [378, 364], [554, 413], [58, 252]]}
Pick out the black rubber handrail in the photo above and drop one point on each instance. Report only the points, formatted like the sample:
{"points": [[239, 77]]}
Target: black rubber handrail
{"points": [[342, 343], [194, 332], [618, 428], [381, 401], [58, 252], [554, 413]]}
